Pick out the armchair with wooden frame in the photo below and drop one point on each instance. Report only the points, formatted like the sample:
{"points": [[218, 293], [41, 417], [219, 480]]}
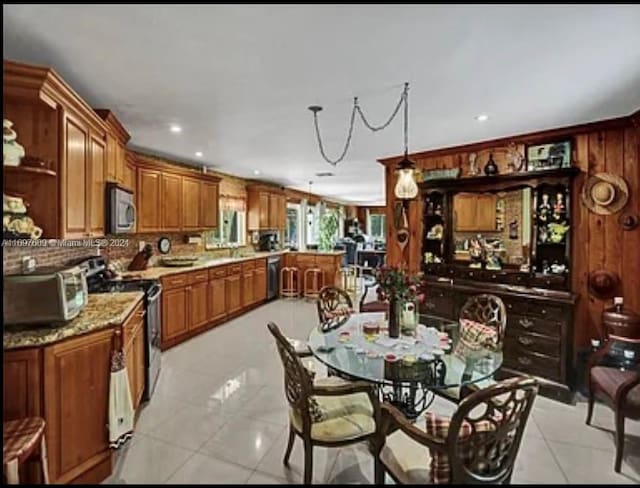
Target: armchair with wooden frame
{"points": [[479, 444], [620, 389], [327, 414]]}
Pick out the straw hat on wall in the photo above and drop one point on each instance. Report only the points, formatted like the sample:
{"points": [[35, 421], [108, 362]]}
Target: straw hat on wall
{"points": [[605, 193]]}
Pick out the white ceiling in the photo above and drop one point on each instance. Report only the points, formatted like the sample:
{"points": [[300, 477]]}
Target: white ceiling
{"points": [[238, 79]]}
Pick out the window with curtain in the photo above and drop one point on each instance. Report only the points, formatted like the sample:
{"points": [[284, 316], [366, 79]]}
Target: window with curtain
{"points": [[231, 229], [293, 231]]}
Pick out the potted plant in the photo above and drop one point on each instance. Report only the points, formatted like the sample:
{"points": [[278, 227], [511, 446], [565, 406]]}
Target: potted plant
{"points": [[399, 288], [328, 227]]}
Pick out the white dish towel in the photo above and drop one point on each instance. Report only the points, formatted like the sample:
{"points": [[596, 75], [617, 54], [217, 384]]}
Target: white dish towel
{"points": [[120, 404]]}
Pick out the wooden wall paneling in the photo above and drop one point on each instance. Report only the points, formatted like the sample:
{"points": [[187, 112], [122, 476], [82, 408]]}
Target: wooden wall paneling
{"points": [[580, 240], [596, 229], [614, 160], [631, 239]]}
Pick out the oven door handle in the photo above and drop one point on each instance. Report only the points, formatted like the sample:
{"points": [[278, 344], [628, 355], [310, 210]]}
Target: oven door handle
{"points": [[157, 289]]}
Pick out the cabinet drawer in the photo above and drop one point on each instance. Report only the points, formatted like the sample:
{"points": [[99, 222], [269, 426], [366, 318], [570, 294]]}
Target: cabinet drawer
{"points": [[260, 263], [248, 266], [532, 363], [533, 342], [438, 303], [516, 279], [324, 260], [516, 306], [306, 261], [527, 323], [199, 276], [556, 282], [234, 269], [220, 272], [174, 281], [549, 312]]}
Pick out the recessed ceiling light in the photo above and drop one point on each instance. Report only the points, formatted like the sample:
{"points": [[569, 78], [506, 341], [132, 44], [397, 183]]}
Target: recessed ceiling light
{"points": [[256, 172], [482, 117], [175, 128], [198, 154]]}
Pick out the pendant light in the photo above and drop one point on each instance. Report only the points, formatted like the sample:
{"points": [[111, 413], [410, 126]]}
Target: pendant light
{"points": [[406, 187]]}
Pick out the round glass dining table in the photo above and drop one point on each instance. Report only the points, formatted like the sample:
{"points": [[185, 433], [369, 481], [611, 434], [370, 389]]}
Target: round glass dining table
{"points": [[407, 370]]}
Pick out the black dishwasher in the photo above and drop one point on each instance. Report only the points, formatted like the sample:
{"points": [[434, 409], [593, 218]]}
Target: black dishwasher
{"points": [[273, 276]]}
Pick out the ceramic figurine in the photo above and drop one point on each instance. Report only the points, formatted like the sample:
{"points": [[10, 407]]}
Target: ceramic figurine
{"points": [[439, 210], [513, 229], [545, 267], [557, 231], [12, 152], [558, 207], [543, 234], [544, 211], [491, 168], [516, 160], [473, 165]]}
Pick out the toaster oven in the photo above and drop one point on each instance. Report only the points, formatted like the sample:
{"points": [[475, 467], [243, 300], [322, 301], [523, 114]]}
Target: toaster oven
{"points": [[44, 296]]}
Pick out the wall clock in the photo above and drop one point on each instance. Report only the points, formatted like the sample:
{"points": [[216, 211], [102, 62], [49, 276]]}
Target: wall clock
{"points": [[164, 245]]}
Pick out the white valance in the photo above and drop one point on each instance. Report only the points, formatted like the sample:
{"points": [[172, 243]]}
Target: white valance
{"points": [[233, 203]]}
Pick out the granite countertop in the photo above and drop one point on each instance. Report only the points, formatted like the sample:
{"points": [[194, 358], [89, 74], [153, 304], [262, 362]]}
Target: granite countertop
{"points": [[102, 310], [156, 272]]}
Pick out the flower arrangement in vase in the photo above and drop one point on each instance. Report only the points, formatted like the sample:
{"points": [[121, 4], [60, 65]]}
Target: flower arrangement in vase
{"points": [[399, 288]]}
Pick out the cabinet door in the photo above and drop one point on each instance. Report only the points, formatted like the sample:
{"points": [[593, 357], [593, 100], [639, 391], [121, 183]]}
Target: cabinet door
{"points": [[139, 365], [464, 208], [208, 205], [22, 383], [263, 209], [148, 198], [217, 299], [190, 203], [259, 284], [486, 212], [75, 201], [130, 174], [234, 293], [111, 172], [171, 202], [96, 190], [130, 363], [247, 288], [174, 313], [282, 212], [76, 403], [198, 313], [120, 163], [274, 214]]}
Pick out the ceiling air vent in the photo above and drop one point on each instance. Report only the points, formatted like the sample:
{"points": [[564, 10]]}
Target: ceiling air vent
{"points": [[324, 174]]}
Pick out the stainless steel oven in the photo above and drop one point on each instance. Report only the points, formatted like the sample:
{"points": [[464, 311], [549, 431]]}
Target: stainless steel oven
{"points": [[122, 209]]}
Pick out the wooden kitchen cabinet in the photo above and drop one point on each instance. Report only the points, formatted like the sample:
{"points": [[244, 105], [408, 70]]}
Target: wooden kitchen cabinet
{"points": [[134, 353], [171, 212], [139, 347], [117, 137], [217, 298], [75, 177], [148, 198], [190, 204], [247, 288], [22, 384], [233, 290], [76, 403], [198, 312], [260, 282], [174, 313], [96, 192], [208, 205], [475, 212], [266, 208]]}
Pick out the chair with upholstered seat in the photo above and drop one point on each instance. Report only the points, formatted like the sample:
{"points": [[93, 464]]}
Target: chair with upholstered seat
{"points": [[477, 445], [620, 389], [375, 305], [333, 301], [488, 311], [327, 412]]}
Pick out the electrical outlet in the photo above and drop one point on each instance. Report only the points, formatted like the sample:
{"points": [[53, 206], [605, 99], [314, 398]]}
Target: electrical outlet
{"points": [[141, 245], [28, 264]]}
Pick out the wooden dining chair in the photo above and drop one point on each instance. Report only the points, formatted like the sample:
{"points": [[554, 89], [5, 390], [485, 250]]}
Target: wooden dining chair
{"points": [[488, 311], [620, 389], [333, 301], [477, 445], [325, 412]]}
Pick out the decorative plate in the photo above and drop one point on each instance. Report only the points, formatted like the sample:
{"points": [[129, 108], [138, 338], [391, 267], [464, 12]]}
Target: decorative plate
{"points": [[164, 245]]}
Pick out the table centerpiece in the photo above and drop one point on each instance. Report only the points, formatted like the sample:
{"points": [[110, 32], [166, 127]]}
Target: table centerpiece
{"points": [[399, 288]]}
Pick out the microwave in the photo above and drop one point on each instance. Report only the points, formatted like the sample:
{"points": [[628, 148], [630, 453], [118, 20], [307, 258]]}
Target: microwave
{"points": [[121, 217], [44, 296]]}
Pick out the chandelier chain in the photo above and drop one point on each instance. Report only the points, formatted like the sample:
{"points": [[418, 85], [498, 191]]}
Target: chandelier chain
{"points": [[403, 101]]}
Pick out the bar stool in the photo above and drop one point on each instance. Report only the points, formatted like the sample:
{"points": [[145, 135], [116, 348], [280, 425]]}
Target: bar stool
{"points": [[20, 440], [348, 278], [289, 282], [312, 282]]}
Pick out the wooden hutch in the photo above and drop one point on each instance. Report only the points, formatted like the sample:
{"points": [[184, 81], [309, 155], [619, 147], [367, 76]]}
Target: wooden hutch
{"points": [[492, 234]]}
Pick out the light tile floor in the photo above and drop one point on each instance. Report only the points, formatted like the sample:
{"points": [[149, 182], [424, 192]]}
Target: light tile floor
{"points": [[219, 415]]}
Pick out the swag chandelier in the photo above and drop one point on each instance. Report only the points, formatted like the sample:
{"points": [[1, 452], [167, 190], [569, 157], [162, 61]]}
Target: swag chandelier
{"points": [[406, 187]]}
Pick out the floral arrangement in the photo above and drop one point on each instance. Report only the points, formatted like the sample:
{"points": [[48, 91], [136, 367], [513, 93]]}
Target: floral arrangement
{"points": [[399, 285]]}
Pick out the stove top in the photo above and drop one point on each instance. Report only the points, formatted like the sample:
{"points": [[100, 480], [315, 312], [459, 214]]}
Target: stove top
{"points": [[111, 286]]}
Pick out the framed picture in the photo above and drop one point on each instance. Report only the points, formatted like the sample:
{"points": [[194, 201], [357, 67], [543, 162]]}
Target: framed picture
{"points": [[549, 156]]}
